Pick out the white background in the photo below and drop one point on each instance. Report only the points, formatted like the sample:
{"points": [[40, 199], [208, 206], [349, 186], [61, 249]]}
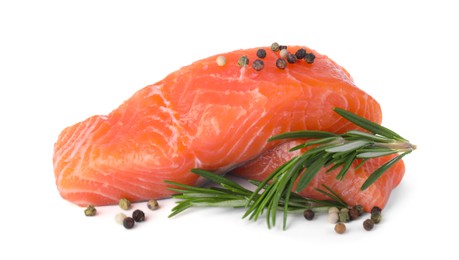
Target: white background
{"points": [[62, 61]]}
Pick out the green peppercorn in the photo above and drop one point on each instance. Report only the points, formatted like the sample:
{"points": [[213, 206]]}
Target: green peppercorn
{"points": [[343, 215], [275, 47], [152, 204], [243, 61], [340, 228], [309, 214], [309, 58], [90, 211], [128, 222], [353, 213], [281, 63], [124, 204], [376, 217], [368, 224], [300, 53], [375, 210], [138, 215], [261, 53], [258, 65], [291, 58], [359, 208]]}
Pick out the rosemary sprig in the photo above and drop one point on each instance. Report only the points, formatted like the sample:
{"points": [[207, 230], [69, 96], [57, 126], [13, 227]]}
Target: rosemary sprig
{"points": [[275, 192]]}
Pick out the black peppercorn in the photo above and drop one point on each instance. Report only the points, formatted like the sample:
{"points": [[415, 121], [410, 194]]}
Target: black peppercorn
{"points": [[258, 65], [368, 224], [309, 58], [376, 210], [261, 53], [309, 214], [291, 58], [128, 222], [282, 47], [138, 215], [353, 213], [300, 53], [281, 63]]}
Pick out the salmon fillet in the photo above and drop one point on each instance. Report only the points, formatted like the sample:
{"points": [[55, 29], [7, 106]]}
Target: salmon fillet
{"points": [[201, 116], [348, 188]]}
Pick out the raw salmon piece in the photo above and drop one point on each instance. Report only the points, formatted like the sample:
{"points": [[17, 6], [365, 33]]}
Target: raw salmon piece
{"points": [[201, 116], [348, 188]]}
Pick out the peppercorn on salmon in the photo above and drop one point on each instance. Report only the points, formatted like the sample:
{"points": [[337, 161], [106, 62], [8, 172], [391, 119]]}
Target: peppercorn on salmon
{"points": [[348, 188], [204, 115]]}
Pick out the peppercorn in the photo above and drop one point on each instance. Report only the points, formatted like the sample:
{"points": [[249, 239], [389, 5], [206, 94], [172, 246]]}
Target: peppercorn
{"points": [[119, 218], [340, 228], [90, 211], [376, 218], [300, 53], [291, 58], [309, 214], [359, 208], [375, 210], [283, 53], [152, 204], [275, 47], [221, 60], [138, 215], [333, 217], [124, 204], [128, 222], [281, 64], [261, 53], [368, 224], [243, 60], [343, 215], [309, 58], [333, 210], [282, 47], [258, 65], [353, 213]]}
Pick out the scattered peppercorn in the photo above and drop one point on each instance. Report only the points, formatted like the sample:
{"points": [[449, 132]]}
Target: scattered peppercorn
{"points": [[128, 222], [152, 204], [124, 204], [119, 218], [291, 58], [221, 60], [300, 53], [368, 224], [340, 228], [309, 58], [281, 64], [282, 47], [275, 47], [376, 218], [243, 61], [309, 214], [333, 217], [138, 215], [261, 53], [359, 208], [258, 65], [283, 53], [353, 213], [343, 215], [90, 211], [375, 210]]}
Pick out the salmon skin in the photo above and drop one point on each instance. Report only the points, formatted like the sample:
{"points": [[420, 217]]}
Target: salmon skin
{"points": [[201, 116], [348, 188]]}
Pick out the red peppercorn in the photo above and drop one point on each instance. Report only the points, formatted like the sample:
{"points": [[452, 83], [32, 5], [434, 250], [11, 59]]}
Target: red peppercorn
{"points": [[309, 214]]}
